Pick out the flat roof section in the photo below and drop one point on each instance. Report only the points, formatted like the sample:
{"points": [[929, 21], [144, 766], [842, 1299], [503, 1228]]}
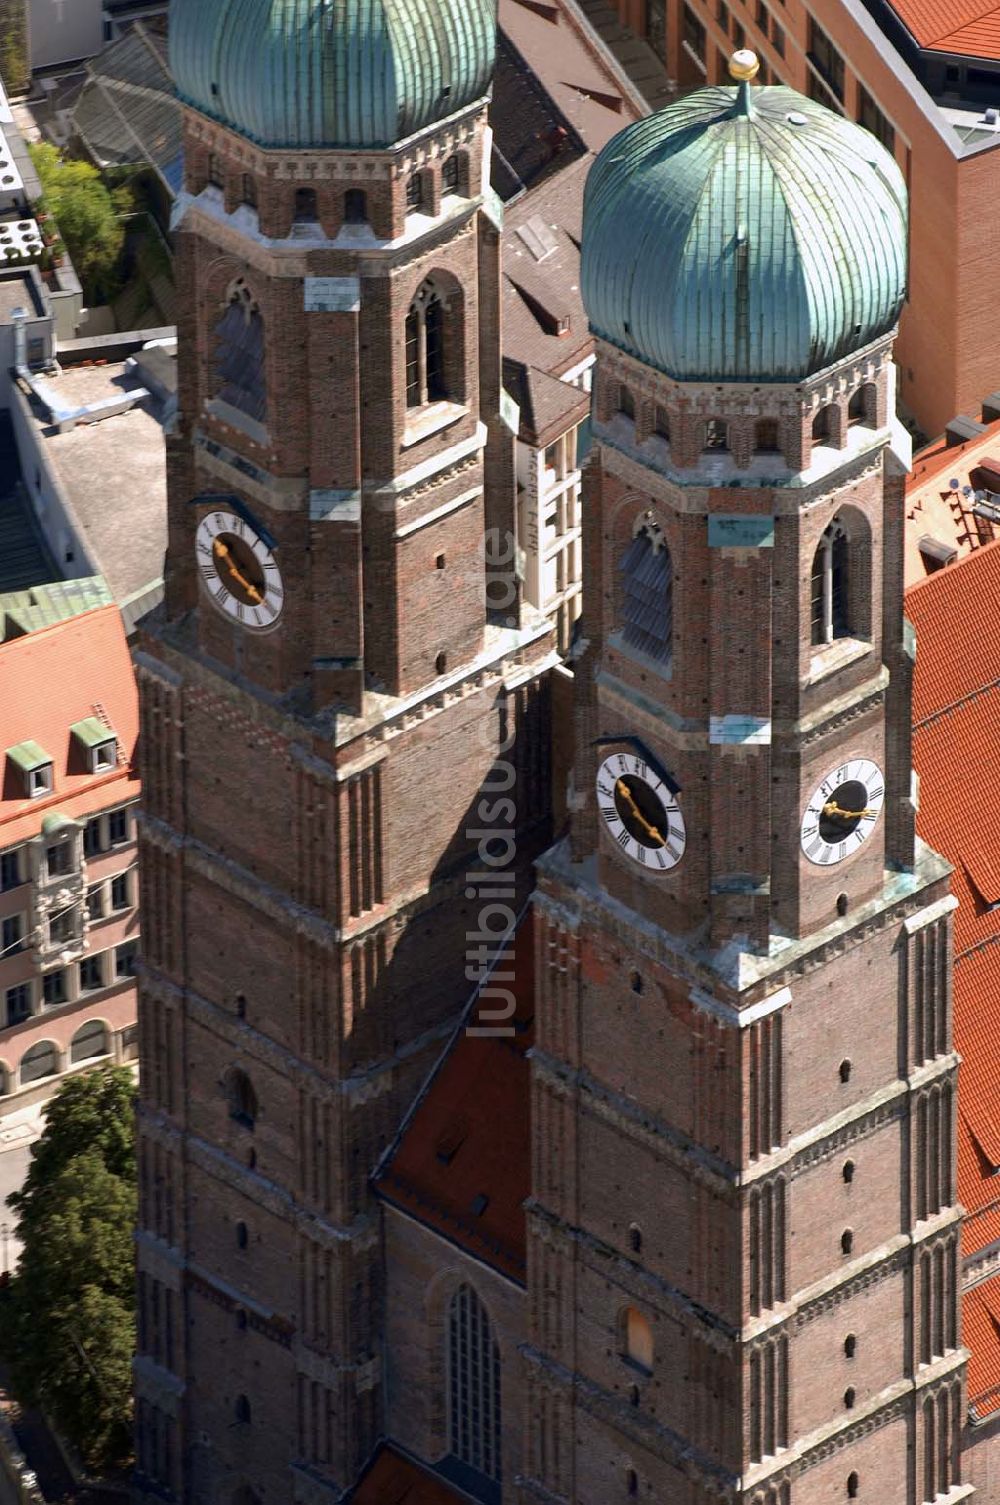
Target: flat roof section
{"points": [[113, 474]]}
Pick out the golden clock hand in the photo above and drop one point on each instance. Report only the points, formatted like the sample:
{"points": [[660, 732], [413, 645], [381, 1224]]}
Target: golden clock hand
{"points": [[251, 589], [834, 809], [622, 788]]}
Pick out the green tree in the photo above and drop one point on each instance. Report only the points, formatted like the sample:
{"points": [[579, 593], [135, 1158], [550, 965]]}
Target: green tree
{"points": [[14, 45], [67, 1322], [87, 212]]}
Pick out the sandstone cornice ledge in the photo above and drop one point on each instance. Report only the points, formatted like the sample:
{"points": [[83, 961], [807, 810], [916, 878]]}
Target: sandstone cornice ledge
{"points": [[611, 1107], [643, 1430], [361, 1235], [309, 1488], [159, 1385], [156, 1257], [871, 1269], [550, 1229], [537, 1491], [823, 1141], [242, 884]]}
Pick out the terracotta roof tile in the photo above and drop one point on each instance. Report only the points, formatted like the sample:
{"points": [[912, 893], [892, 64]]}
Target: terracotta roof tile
{"points": [[935, 510], [463, 1163], [981, 1335], [971, 27], [956, 750], [50, 679], [394, 1480]]}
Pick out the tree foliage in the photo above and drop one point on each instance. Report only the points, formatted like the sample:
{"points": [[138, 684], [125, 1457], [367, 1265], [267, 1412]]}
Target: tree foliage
{"points": [[67, 1322], [14, 45], [87, 212]]}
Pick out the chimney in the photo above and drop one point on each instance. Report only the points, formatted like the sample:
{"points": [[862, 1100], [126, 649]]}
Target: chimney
{"points": [[19, 317], [960, 429]]}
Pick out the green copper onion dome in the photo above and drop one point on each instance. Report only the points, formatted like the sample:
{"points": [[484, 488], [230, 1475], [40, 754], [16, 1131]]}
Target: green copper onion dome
{"points": [[743, 235], [346, 73]]}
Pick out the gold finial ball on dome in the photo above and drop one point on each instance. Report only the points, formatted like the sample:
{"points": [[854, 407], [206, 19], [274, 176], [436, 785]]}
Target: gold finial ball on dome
{"points": [[744, 65]]}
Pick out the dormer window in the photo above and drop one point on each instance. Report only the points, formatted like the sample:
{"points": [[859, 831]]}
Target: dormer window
{"points": [[33, 768], [98, 744]]}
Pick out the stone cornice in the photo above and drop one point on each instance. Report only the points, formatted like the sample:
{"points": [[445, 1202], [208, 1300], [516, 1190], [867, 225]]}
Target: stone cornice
{"points": [[638, 1427], [548, 1228], [749, 978], [361, 1234]]}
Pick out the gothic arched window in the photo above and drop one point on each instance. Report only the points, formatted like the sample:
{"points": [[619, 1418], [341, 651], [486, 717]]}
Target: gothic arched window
{"points": [[647, 594], [716, 434], [829, 586], [637, 1339], [306, 207], [426, 372], [450, 176], [765, 436], [238, 341], [242, 1097], [626, 403], [473, 1385], [355, 207]]}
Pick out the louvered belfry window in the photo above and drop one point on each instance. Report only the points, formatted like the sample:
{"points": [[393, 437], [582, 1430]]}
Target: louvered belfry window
{"points": [[473, 1384], [647, 606], [239, 355]]}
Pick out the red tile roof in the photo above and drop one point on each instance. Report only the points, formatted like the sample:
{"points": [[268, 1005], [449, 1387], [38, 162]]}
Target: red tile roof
{"points": [[395, 1480], [956, 752], [49, 680], [970, 28], [463, 1163], [981, 1335]]}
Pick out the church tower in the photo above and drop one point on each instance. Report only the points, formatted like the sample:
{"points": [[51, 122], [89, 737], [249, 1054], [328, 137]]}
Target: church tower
{"points": [[744, 1250], [341, 665]]}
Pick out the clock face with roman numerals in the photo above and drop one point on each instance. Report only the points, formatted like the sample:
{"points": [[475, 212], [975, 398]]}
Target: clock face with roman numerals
{"points": [[640, 812], [238, 571], [843, 811]]}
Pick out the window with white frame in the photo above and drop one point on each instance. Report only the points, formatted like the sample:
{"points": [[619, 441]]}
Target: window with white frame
{"points": [[104, 756], [118, 827], [12, 935]]}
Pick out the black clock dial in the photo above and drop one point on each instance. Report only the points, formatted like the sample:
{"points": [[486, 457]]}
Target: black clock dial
{"points": [[843, 814], [640, 812]]}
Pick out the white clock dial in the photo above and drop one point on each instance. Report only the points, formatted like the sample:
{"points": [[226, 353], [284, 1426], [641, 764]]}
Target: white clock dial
{"points": [[640, 812], [843, 811], [239, 571]]}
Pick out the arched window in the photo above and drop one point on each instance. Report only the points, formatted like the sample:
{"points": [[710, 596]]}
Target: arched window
{"points": [[823, 425], [91, 1039], [239, 354], [861, 407], [661, 424], [765, 436], [647, 603], [248, 192], [215, 172], [40, 1061], [829, 586], [473, 1385], [716, 435], [853, 1486], [241, 1097], [637, 1339], [626, 403], [243, 1412], [306, 207], [414, 192], [450, 175], [355, 207], [426, 374]]}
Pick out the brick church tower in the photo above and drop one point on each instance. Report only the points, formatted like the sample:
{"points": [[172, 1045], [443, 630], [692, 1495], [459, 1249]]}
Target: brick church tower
{"points": [[744, 1250], [324, 692]]}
